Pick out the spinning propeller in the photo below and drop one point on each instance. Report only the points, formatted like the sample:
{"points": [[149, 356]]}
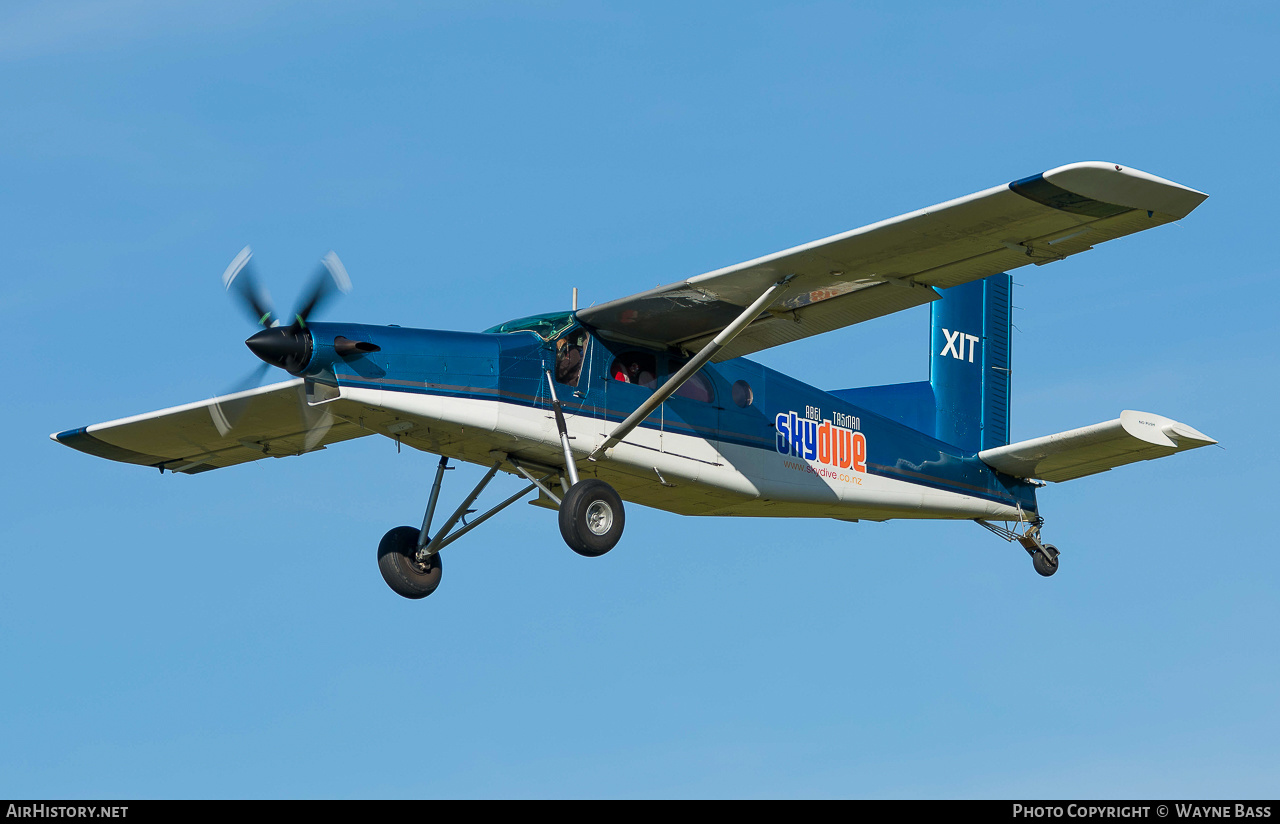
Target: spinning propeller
{"points": [[288, 347]]}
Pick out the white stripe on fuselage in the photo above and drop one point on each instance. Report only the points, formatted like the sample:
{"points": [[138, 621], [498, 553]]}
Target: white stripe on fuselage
{"points": [[748, 480]]}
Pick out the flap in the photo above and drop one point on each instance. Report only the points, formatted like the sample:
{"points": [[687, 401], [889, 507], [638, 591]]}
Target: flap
{"points": [[1132, 437]]}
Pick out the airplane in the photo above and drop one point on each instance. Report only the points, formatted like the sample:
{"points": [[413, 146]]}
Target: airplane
{"points": [[650, 398]]}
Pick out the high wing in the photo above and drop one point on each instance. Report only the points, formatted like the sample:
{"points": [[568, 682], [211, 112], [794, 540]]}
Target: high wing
{"points": [[273, 421], [901, 262]]}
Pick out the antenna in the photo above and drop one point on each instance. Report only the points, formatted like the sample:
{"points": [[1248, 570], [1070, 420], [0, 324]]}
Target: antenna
{"points": [[575, 298]]}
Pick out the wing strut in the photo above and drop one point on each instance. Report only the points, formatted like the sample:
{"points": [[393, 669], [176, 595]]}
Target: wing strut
{"points": [[697, 362]]}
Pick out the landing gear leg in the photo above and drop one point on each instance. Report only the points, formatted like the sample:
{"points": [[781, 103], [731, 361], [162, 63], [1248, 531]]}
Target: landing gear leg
{"points": [[409, 558], [591, 516], [1044, 557]]}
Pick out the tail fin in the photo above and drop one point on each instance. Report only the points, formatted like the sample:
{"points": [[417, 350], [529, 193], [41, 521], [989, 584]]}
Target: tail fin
{"points": [[969, 363], [965, 402]]}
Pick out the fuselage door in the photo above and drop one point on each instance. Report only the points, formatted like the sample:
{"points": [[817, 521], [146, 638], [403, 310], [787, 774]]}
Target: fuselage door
{"points": [[575, 365], [691, 416]]}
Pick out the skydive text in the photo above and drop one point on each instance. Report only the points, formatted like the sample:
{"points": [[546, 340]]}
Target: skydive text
{"points": [[823, 441]]}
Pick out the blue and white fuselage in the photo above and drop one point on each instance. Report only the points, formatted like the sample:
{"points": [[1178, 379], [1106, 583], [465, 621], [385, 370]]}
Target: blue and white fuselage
{"points": [[747, 440]]}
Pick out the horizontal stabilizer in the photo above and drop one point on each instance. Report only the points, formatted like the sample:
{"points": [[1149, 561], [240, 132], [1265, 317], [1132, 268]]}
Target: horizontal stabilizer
{"points": [[1132, 437]]}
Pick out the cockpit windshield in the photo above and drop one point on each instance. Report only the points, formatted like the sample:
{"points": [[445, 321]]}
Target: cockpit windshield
{"points": [[548, 326]]}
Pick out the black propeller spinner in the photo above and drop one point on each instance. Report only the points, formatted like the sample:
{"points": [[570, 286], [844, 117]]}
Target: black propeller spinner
{"points": [[288, 347]]}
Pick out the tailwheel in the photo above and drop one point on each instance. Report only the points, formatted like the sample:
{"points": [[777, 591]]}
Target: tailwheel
{"points": [[591, 517], [398, 562], [1045, 559]]}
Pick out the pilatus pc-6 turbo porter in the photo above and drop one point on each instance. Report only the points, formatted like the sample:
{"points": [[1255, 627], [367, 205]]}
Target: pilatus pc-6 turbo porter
{"points": [[649, 398]]}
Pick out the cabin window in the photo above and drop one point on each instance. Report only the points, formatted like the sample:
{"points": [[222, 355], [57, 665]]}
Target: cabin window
{"points": [[640, 368], [742, 394], [697, 388]]}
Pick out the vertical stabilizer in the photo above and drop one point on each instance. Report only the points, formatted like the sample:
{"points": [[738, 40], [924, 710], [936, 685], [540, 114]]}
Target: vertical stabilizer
{"points": [[969, 363]]}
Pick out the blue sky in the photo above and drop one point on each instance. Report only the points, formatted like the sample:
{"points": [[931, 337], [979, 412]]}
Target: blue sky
{"points": [[228, 634]]}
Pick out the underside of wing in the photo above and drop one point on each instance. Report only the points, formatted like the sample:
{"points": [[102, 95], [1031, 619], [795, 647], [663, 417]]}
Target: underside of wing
{"points": [[273, 421], [901, 262]]}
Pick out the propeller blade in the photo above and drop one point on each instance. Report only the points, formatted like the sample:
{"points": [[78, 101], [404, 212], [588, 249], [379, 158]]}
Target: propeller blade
{"points": [[288, 347], [330, 278], [316, 431], [241, 281], [228, 413], [317, 421]]}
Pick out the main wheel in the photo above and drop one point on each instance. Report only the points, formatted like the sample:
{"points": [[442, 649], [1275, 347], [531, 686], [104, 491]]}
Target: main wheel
{"points": [[1046, 560], [591, 517], [400, 568]]}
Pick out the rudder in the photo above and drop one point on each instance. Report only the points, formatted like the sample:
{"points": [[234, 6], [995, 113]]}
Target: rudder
{"points": [[969, 363]]}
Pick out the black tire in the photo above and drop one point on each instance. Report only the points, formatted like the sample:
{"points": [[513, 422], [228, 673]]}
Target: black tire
{"points": [[399, 567], [591, 517], [1045, 561]]}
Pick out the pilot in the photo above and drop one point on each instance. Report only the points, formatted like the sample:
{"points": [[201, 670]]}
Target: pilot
{"points": [[569, 360]]}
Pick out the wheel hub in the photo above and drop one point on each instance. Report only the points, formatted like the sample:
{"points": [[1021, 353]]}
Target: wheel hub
{"points": [[420, 561], [599, 517]]}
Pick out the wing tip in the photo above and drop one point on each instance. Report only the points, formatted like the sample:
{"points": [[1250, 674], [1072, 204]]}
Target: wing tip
{"points": [[67, 435], [82, 441], [1126, 186], [1180, 435]]}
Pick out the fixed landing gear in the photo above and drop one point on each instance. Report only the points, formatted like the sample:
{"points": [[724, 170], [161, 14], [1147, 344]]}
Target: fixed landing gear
{"points": [[591, 518], [1045, 560], [1044, 557], [591, 521], [401, 568]]}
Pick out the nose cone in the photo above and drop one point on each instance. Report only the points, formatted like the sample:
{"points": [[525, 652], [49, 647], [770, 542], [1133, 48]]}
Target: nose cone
{"points": [[286, 347]]}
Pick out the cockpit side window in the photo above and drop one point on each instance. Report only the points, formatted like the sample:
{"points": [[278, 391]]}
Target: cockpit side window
{"points": [[570, 348]]}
